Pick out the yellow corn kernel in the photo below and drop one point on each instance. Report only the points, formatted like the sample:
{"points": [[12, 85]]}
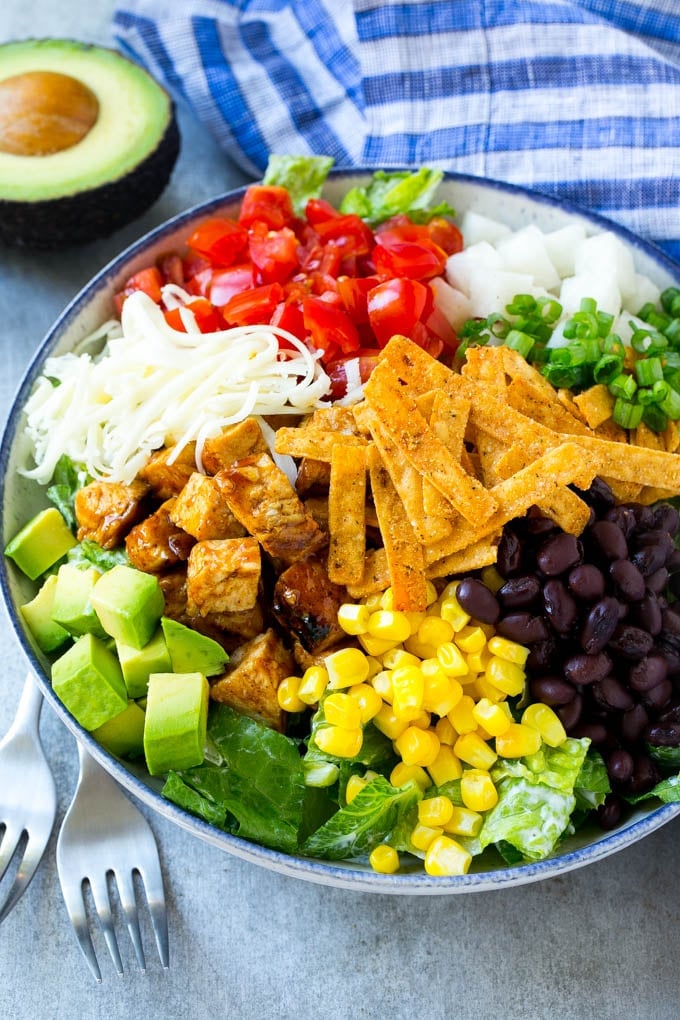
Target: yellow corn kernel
{"points": [[435, 810], [471, 639], [451, 610], [474, 751], [388, 723], [461, 717], [446, 766], [389, 625], [382, 684], [441, 692], [368, 700], [463, 822], [397, 657], [506, 676], [445, 731], [355, 785], [478, 661], [477, 790], [342, 710], [346, 667], [353, 618], [488, 690], [423, 720], [386, 599], [423, 835], [375, 646], [402, 774], [509, 650], [374, 602], [547, 722], [451, 659], [445, 857], [408, 686], [338, 741], [491, 717], [518, 741], [417, 647], [492, 579], [431, 594], [416, 746], [384, 859], [287, 695], [314, 682], [435, 631], [415, 618], [374, 665], [449, 591]]}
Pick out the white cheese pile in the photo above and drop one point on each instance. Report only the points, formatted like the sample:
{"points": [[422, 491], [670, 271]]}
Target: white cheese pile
{"points": [[153, 386]]}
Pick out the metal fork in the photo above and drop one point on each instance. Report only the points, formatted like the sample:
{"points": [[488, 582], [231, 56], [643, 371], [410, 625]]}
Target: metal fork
{"points": [[103, 838], [28, 796]]}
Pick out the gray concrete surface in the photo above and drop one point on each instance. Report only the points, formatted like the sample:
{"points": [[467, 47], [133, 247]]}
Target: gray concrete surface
{"points": [[599, 943]]}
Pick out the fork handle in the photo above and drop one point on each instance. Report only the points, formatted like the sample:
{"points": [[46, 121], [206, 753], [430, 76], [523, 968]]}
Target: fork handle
{"points": [[27, 717]]}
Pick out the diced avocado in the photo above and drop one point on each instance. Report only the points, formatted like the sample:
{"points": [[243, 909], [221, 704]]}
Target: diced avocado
{"points": [[129, 604], [88, 140], [190, 650], [89, 681], [124, 734], [37, 613], [40, 543], [138, 663], [72, 607], [176, 721]]}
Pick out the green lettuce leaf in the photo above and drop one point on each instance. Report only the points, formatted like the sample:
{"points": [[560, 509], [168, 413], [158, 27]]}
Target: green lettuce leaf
{"points": [[89, 554], [667, 790], [400, 191], [377, 751], [257, 792], [68, 477], [302, 176], [592, 784], [535, 800]]}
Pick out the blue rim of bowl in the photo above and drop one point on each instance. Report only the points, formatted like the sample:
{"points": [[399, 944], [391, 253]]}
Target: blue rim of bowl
{"points": [[349, 875]]}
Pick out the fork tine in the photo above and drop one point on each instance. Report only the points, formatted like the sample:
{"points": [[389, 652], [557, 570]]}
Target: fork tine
{"points": [[128, 901], [102, 904], [152, 880], [75, 905], [8, 844], [27, 867]]}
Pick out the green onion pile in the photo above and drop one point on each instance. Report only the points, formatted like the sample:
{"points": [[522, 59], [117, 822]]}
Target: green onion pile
{"points": [[644, 380]]}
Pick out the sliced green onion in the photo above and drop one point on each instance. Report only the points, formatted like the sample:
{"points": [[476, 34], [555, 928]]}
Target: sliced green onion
{"points": [[604, 323], [550, 310], [645, 395], [521, 304], [648, 371], [672, 331], [670, 403], [645, 341], [647, 309], [670, 361], [623, 386], [588, 305], [607, 368], [518, 341], [654, 418], [670, 301], [627, 414], [659, 320]]}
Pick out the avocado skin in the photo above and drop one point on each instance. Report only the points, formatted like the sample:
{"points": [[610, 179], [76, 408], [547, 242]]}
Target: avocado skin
{"points": [[96, 212]]}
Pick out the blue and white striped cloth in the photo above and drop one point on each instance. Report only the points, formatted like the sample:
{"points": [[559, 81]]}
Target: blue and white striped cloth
{"points": [[577, 98]]}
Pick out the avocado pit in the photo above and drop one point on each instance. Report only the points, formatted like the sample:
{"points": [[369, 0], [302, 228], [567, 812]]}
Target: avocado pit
{"points": [[43, 112]]}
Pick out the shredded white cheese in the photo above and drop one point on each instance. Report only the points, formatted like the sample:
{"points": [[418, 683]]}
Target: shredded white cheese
{"points": [[153, 386]]}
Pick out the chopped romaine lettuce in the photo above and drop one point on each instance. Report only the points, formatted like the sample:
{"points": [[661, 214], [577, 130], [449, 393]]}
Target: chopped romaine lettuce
{"points": [[667, 790], [366, 821], [302, 176], [88, 554], [401, 191], [68, 477], [592, 784]]}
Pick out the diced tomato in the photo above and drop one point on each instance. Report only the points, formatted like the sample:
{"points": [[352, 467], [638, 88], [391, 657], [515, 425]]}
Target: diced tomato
{"points": [[273, 252], [343, 370], [440, 327], [318, 210], [219, 239], [288, 315], [148, 280], [395, 306], [194, 263], [417, 260], [445, 234], [347, 233], [253, 306], [329, 327], [207, 317], [401, 228], [171, 267], [353, 293], [267, 203], [224, 283]]}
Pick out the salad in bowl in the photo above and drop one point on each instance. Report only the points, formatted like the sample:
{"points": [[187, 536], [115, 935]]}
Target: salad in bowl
{"points": [[340, 521]]}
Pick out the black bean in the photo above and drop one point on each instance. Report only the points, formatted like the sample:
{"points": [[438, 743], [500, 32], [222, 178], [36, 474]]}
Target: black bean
{"points": [[524, 628], [558, 553], [560, 607], [657, 581], [645, 774], [631, 642], [647, 614], [571, 712], [551, 690], [648, 558], [611, 693], [655, 536], [629, 582], [633, 723], [599, 495], [586, 582], [600, 624], [519, 592], [594, 731], [538, 525], [609, 813], [644, 517], [658, 697], [620, 765], [663, 734], [509, 554], [478, 600], [624, 517], [609, 539], [648, 672], [544, 656], [582, 669], [673, 562], [666, 518], [674, 584]]}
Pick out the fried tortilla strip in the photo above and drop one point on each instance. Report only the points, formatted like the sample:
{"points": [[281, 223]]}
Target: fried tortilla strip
{"points": [[545, 409], [566, 398], [671, 437], [535, 484], [642, 435], [414, 366], [415, 439], [375, 578], [346, 514], [448, 419], [485, 365], [313, 442], [481, 554], [595, 404], [404, 552], [489, 451], [626, 463], [517, 367], [567, 510]]}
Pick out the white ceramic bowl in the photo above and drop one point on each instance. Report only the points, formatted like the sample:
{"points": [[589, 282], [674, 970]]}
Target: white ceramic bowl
{"points": [[21, 499]]}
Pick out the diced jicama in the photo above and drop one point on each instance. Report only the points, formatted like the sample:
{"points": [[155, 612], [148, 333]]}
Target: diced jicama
{"points": [[600, 286], [469, 263], [492, 291], [525, 252], [476, 227], [561, 245], [603, 256], [644, 291], [453, 304]]}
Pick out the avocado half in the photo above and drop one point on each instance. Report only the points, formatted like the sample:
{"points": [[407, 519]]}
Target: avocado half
{"points": [[88, 141]]}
